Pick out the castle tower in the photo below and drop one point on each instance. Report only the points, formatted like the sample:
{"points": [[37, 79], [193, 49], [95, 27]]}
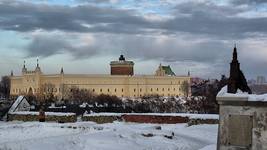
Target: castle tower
{"points": [[122, 67]]}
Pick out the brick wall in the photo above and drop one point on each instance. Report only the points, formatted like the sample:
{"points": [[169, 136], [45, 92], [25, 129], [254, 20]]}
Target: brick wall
{"points": [[122, 70], [155, 119]]}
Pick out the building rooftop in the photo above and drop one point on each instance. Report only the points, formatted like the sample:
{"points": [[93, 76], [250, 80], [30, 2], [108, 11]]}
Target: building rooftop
{"points": [[168, 70]]}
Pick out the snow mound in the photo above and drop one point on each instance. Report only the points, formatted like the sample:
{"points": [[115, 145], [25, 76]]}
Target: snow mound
{"points": [[250, 97]]}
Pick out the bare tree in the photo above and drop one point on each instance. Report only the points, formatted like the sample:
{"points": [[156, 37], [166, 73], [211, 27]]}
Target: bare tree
{"points": [[185, 88], [5, 86], [76, 95]]}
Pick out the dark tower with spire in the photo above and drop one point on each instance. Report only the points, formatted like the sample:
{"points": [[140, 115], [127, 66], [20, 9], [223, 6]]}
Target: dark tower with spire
{"points": [[61, 71], [237, 79], [37, 69], [24, 69]]}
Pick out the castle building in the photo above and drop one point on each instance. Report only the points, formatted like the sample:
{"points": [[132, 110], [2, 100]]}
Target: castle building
{"points": [[121, 82]]}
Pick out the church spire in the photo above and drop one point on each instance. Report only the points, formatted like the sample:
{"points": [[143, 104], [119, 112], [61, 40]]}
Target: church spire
{"points": [[235, 54], [37, 69], [37, 62], [24, 69], [61, 71]]}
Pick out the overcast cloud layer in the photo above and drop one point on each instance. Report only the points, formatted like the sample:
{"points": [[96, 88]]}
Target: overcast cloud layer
{"points": [[189, 35]]}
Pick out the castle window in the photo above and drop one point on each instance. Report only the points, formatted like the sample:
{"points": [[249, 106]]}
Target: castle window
{"points": [[157, 89], [115, 90], [168, 89], [173, 89], [100, 90], [151, 89], [93, 90], [162, 89], [140, 90], [121, 90], [134, 90], [108, 90]]}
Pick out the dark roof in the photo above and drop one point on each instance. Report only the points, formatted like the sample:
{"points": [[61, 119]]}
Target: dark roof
{"points": [[121, 58], [168, 70]]}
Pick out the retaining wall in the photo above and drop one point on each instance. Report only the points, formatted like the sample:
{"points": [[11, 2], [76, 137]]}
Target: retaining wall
{"points": [[34, 116]]}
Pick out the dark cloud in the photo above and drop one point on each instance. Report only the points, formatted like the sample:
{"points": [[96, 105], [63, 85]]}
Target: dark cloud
{"points": [[48, 45], [198, 32], [248, 2], [94, 1], [190, 17], [219, 21], [161, 48], [22, 16]]}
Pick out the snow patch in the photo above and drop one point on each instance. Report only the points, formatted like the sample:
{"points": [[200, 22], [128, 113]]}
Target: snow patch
{"points": [[250, 97], [46, 113], [191, 116]]}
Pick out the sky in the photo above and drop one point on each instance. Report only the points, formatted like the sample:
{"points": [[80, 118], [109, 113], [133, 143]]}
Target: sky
{"points": [[83, 36]]}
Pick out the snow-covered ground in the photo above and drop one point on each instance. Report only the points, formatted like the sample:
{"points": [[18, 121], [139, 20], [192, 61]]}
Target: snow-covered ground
{"points": [[111, 136]]}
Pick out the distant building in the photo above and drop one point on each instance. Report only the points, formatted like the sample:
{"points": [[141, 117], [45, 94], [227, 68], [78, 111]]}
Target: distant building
{"points": [[261, 80], [121, 82]]}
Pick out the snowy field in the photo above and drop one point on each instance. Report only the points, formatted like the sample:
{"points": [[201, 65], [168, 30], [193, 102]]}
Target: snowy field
{"points": [[111, 136]]}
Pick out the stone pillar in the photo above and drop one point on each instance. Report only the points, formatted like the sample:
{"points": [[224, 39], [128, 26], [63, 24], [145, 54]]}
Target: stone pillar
{"points": [[242, 124]]}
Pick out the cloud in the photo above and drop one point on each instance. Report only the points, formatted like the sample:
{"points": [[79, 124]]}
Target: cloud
{"points": [[196, 34], [45, 45], [161, 48], [190, 17], [248, 2], [23, 17]]}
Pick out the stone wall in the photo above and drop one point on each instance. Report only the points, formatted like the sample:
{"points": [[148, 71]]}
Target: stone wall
{"points": [[150, 118], [197, 121], [35, 117], [102, 119], [243, 124]]}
